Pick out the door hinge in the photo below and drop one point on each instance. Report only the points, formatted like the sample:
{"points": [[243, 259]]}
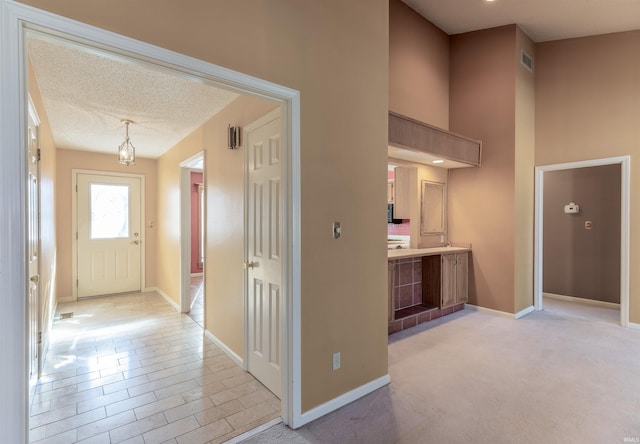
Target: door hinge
{"points": [[76, 188], [77, 280], [76, 235], [39, 337], [39, 154]]}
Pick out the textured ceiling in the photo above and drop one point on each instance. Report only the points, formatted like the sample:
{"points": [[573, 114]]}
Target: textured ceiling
{"points": [[86, 94], [542, 20]]}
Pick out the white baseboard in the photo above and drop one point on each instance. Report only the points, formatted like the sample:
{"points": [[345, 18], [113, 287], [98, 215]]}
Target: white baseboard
{"points": [[165, 296], [67, 299], [489, 310], [341, 401], [227, 351], [562, 297], [634, 326], [524, 312], [254, 432]]}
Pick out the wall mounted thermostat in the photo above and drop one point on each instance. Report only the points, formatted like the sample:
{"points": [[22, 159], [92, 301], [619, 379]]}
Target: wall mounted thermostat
{"points": [[336, 230], [571, 208]]}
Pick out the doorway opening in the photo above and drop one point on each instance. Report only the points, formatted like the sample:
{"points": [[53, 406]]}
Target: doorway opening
{"points": [[13, 175], [577, 238], [193, 237]]}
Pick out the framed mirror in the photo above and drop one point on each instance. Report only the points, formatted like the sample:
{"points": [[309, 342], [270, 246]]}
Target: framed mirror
{"points": [[433, 208]]}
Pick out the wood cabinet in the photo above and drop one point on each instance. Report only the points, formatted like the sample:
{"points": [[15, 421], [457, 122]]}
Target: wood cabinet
{"points": [[455, 279], [390, 191], [404, 191], [391, 286], [445, 279]]}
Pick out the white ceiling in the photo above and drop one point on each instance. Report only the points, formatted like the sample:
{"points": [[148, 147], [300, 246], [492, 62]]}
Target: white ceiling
{"points": [[87, 94], [542, 20]]}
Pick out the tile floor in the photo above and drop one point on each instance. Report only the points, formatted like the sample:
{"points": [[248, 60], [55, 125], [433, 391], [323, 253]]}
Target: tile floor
{"points": [[128, 368], [197, 300]]}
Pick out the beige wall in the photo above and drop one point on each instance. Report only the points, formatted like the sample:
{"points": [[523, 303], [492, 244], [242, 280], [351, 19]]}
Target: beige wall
{"points": [[66, 160], [336, 54], [587, 96], [225, 227], [48, 249], [482, 200], [525, 146], [579, 262], [418, 67], [225, 211]]}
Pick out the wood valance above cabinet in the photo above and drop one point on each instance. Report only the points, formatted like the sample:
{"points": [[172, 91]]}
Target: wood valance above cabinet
{"points": [[413, 135]]}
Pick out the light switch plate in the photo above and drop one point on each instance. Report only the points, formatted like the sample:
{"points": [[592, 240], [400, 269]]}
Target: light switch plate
{"points": [[336, 360]]}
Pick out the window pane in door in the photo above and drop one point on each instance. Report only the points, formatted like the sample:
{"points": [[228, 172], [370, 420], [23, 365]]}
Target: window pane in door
{"points": [[109, 211]]}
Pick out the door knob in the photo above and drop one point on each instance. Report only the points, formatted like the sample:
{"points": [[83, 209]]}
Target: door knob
{"points": [[250, 264], [136, 242], [35, 278]]}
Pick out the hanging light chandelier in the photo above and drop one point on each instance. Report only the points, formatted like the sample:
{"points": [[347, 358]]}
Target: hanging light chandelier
{"points": [[126, 150]]}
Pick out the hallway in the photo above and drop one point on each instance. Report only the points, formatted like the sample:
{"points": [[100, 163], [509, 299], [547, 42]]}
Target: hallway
{"points": [[129, 368]]}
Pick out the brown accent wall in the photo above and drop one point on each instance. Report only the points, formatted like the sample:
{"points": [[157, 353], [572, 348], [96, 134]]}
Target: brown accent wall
{"points": [[418, 66], [336, 53], [48, 248], [525, 147], [587, 96], [66, 161], [579, 262], [482, 200]]}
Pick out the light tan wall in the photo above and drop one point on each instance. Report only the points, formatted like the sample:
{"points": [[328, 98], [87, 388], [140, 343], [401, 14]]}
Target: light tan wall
{"points": [[225, 228], [418, 67], [225, 211], [48, 250], [482, 200], [587, 96], [524, 171], [336, 54], [66, 160]]}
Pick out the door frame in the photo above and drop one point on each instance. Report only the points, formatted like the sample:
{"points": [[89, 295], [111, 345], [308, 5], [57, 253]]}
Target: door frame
{"points": [[185, 228], [625, 224], [74, 226], [15, 18]]}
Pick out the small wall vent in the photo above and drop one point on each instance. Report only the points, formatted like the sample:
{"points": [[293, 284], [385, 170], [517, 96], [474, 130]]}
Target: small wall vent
{"points": [[526, 60]]}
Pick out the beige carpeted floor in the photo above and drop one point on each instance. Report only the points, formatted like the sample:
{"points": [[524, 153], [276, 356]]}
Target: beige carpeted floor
{"points": [[568, 374]]}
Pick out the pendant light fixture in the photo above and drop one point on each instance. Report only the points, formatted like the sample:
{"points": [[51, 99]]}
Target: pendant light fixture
{"points": [[126, 150]]}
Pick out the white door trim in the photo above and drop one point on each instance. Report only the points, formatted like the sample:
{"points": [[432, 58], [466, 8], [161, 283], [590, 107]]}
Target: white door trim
{"points": [[185, 229], [74, 225], [14, 19], [625, 205]]}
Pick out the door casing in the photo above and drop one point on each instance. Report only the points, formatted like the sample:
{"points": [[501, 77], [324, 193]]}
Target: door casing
{"points": [[625, 205]]}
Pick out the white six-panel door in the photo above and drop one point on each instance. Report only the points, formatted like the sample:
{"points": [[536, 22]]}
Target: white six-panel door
{"points": [[109, 239], [33, 220], [264, 264]]}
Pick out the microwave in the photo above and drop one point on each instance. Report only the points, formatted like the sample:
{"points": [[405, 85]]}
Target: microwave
{"points": [[390, 218]]}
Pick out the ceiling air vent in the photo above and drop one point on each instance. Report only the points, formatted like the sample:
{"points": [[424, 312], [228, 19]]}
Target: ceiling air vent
{"points": [[526, 60]]}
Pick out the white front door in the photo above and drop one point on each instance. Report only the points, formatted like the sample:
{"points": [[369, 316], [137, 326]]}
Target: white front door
{"points": [[109, 238], [33, 220], [264, 264]]}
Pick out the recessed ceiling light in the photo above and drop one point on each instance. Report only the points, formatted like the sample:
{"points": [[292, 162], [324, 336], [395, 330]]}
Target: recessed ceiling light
{"points": [[438, 161]]}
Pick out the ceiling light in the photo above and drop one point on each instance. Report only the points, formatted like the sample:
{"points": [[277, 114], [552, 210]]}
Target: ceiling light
{"points": [[438, 161], [126, 151]]}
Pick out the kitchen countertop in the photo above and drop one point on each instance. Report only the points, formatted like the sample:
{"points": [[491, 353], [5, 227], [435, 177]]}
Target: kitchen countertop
{"points": [[416, 252]]}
